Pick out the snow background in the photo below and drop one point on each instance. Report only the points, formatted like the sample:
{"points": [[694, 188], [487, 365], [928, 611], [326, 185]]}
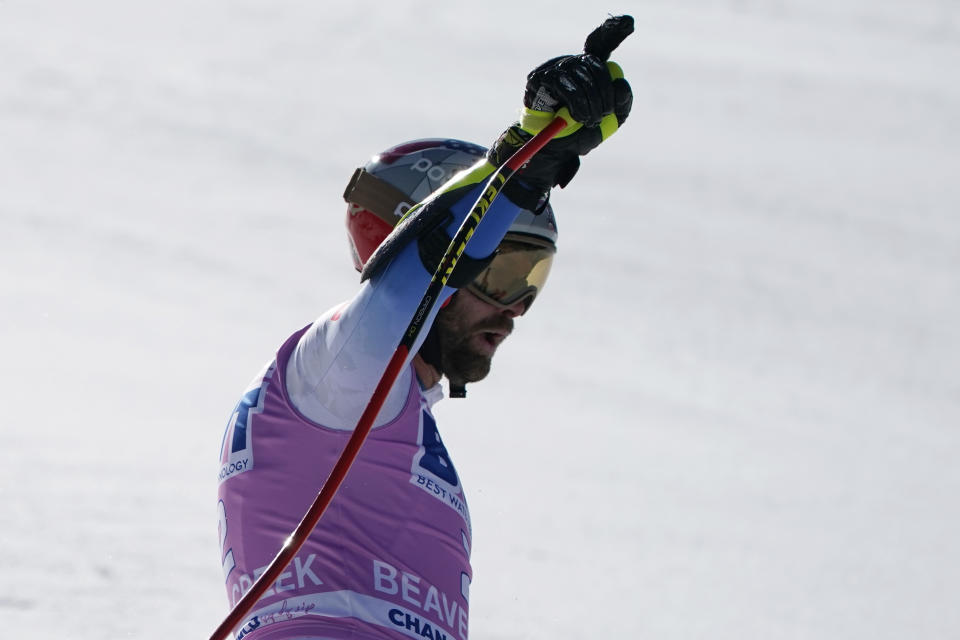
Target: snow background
{"points": [[734, 413]]}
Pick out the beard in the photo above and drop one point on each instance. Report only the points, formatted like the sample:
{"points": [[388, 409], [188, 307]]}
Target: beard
{"points": [[462, 360]]}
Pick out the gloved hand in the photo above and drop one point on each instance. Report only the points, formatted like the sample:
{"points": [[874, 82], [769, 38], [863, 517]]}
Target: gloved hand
{"points": [[587, 91]]}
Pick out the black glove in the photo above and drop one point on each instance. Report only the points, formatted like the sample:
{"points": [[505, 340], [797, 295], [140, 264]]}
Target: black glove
{"points": [[580, 83], [588, 91]]}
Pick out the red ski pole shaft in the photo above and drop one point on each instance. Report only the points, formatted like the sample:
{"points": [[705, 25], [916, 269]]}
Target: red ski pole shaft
{"points": [[329, 489]]}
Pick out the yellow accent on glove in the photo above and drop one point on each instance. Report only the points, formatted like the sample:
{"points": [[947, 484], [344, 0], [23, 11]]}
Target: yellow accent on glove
{"points": [[533, 121], [616, 72]]}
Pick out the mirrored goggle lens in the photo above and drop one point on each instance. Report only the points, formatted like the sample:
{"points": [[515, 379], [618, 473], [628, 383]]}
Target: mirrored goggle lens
{"points": [[517, 272]]}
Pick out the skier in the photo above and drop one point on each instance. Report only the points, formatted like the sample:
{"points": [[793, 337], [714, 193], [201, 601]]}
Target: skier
{"points": [[391, 556]]}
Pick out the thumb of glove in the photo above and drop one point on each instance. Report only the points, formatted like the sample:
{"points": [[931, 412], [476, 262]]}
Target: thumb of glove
{"points": [[604, 39]]}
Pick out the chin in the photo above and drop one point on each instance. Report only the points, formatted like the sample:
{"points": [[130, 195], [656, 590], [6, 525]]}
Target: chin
{"points": [[464, 367]]}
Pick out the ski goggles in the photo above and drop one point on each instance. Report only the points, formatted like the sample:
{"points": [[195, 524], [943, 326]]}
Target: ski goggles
{"points": [[517, 272]]}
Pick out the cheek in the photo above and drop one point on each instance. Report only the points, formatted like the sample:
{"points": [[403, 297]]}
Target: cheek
{"points": [[447, 327]]}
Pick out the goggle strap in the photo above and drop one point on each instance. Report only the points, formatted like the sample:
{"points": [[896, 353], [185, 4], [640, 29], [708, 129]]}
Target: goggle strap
{"points": [[377, 196]]}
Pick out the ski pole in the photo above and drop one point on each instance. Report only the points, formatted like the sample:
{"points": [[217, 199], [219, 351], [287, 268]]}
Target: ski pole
{"points": [[298, 537]]}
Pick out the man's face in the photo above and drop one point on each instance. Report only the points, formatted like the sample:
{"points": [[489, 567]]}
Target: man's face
{"points": [[470, 330]]}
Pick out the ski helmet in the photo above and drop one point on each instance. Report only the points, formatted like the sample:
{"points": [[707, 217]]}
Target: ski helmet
{"points": [[390, 183]]}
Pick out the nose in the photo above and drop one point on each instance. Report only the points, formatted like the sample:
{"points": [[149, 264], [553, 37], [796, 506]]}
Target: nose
{"points": [[516, 309]]}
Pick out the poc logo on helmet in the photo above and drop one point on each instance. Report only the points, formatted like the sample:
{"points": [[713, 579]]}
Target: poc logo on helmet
{"points": [[402, 209], [434, 171]]}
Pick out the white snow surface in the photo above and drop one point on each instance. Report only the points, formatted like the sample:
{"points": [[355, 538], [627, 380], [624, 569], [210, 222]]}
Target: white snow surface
{"points": [[734, 413]]}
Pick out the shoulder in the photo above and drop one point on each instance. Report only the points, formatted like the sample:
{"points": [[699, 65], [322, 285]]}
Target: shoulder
{"points": [[330, 384]]}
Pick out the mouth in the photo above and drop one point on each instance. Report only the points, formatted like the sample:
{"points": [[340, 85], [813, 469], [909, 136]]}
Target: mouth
{"points": [[489, 339]]}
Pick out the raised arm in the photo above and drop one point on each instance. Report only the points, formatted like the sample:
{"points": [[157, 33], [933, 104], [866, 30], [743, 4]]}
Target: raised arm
{"points": [[340, 358]]}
